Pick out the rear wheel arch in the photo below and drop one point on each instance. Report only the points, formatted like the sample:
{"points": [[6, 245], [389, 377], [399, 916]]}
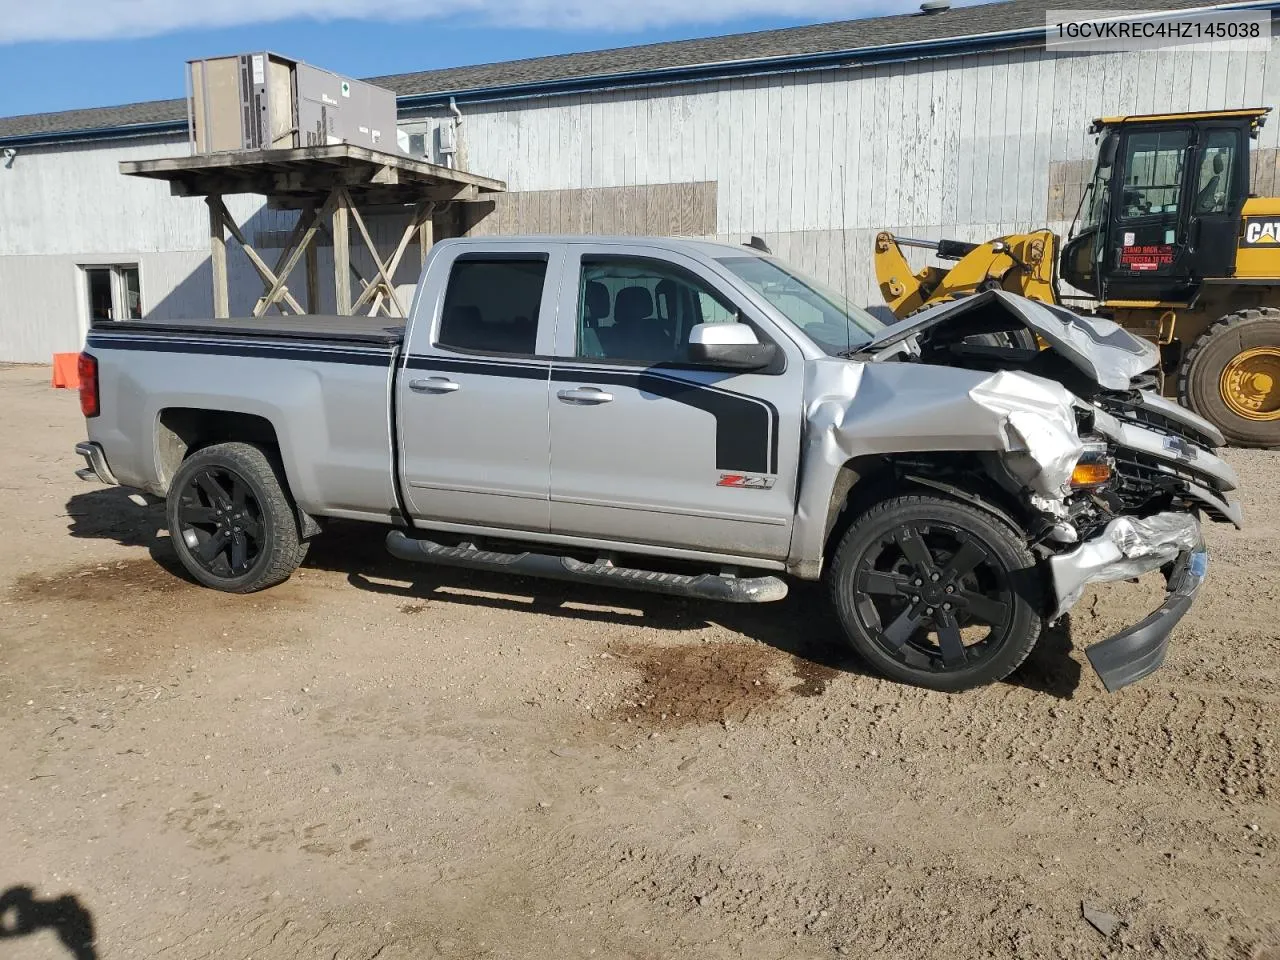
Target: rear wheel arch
{"points": [[183, 431]]}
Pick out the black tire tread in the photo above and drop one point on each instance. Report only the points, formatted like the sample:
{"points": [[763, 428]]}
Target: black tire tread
{"points": [[918, 505], [286, 547], [1188, 374]]}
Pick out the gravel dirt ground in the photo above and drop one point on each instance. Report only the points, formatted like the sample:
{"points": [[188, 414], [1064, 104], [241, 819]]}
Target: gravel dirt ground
{"points": [[378, 760]]}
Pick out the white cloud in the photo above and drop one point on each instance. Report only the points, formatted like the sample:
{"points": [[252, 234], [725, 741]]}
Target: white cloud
{"points": [[24, 20]]}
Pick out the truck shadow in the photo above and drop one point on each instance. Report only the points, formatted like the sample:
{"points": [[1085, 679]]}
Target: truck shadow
{"points": [[22, 914], [802, 625]]}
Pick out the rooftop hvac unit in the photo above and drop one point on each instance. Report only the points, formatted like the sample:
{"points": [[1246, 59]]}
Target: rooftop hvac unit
{"points": [[263, 101]]}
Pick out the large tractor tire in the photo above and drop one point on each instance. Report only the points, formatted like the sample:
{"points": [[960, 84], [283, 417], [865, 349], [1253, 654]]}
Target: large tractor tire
{"points": [[1231, 377]]}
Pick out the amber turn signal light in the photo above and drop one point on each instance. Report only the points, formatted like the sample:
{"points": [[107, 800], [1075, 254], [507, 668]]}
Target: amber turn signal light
{"points": [[1090, 474]]}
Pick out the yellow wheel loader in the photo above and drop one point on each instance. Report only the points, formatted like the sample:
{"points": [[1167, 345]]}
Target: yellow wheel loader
{"points": [[1168, 243]]}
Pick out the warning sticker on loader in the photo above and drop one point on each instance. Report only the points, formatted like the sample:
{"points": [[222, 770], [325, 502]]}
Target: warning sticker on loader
{"points": [[1148, 256], [1261, 232]]}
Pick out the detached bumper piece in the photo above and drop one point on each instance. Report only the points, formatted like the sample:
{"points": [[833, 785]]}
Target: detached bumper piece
{"points": [[96, 461], [1132, 654], [705, 586], [1130, 547]]}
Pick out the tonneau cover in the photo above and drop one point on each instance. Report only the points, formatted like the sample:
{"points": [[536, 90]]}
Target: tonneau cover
{"points": [[375, 330]]}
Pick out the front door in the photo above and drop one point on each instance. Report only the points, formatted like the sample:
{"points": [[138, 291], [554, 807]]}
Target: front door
{"points": [[1147, 237], [472, 395], [649, 448]]}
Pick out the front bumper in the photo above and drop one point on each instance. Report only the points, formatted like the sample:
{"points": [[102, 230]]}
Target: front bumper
{"points": [[96, 461], [1128, 548]]}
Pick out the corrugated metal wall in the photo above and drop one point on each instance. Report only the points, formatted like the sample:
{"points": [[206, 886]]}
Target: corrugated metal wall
{"points": [[965, 147]]}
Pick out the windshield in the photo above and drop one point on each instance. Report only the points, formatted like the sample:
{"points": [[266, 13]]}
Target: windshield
{"points": [[826, 317]]}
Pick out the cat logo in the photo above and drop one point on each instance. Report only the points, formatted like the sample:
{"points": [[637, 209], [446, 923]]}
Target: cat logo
{"points": [[1261, 232]]}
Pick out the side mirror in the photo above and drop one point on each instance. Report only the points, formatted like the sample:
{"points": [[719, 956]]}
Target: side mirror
{"points": [[733, 346]]}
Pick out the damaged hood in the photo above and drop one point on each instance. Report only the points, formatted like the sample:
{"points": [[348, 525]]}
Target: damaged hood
{"points": [[1101, 349]]}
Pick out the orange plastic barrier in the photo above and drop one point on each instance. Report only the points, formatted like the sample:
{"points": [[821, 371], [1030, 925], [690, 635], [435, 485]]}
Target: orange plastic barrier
{"points": [[65, 372]]}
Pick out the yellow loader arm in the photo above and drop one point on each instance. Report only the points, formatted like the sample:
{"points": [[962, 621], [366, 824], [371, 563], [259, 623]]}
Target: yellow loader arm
{"points": [[1021, 263]]}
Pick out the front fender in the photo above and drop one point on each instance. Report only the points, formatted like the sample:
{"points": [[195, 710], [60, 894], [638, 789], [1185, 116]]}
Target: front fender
{"points": [[876, 409]]}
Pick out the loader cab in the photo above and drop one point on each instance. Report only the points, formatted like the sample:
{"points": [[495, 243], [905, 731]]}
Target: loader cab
{"points": [[1162, 211]]}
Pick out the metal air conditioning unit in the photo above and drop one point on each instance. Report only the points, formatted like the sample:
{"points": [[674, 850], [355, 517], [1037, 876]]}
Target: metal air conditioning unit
{"points": [[263, 101]]}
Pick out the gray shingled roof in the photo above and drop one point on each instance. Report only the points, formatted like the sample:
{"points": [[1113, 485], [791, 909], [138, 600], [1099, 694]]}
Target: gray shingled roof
{"points": [[848, 35]]}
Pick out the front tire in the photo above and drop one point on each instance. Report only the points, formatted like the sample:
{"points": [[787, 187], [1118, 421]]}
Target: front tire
{"points": [[937, 593], [231, 520], [1231, 377]]}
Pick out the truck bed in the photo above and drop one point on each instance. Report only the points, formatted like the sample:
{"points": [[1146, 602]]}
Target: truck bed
{"points": [[334, 329]]}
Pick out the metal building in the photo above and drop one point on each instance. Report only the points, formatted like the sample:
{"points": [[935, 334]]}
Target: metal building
{"points": [[957, 123]]}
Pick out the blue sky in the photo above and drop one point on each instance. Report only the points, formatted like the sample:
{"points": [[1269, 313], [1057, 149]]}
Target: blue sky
{"points": [[65, 54]]}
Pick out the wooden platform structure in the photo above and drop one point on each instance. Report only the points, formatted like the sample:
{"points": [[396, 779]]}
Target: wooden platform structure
{"points": [[329, 185]]}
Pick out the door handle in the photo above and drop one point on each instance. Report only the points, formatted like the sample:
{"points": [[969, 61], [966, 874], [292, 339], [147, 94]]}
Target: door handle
{"points": [[586, 396], [433, 385]]}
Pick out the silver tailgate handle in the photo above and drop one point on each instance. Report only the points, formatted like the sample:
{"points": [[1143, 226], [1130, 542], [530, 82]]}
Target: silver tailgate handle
{"points": [[585, 395], [433, 385]]}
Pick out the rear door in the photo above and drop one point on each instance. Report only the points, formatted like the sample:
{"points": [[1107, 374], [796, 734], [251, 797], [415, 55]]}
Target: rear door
{"points": [[649, 448], [472, 394]]}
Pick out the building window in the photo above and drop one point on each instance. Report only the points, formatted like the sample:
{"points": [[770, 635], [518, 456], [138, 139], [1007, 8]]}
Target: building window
{"points": [[113, 291]]}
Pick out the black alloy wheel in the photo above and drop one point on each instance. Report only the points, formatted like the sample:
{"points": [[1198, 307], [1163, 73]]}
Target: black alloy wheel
{"points": [[221, 522], [937, 592], [231, 519], [933, 596]]}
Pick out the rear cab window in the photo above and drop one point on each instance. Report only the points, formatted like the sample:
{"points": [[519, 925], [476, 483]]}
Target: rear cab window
{"points": [[492, 304]]}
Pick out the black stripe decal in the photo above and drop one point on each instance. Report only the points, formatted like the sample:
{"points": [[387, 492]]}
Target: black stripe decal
{"points": [[746, 427], [487, 368], [379, 358]]}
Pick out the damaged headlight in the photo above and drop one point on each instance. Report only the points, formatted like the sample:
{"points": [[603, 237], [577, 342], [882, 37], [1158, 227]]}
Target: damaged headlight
{"points": [[1095, 466]]}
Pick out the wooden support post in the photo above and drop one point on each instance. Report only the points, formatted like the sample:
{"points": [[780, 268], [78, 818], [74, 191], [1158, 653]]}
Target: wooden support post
{"points": [[389, 287], [426, 233], [268, 276], [341, 254], [313, 274], [309, 224], [218, 258]]}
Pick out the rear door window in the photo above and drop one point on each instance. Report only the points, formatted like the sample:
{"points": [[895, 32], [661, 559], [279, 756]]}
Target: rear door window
{"points": [[491, 305]]}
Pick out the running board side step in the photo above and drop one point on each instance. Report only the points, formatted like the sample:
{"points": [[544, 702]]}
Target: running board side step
{"points": [[704, 586]]}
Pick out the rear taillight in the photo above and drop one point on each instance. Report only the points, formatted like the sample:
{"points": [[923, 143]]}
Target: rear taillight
{"points": [[87, 368]]}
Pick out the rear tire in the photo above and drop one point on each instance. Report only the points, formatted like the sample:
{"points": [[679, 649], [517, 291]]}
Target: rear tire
{"points": [[937, 593], [1231, 377], [231, 519]]}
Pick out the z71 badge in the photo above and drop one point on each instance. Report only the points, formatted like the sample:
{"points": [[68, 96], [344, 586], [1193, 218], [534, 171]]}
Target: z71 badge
{"points": [[1261, 232], [749, 481]]}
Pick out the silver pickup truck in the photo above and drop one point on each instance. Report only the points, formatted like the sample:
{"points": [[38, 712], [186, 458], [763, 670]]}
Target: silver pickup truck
{"points": [[691, 418]]}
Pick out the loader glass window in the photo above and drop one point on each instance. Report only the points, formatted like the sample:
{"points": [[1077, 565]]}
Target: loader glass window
{"points": [[641, 311], [826, 317], [1217, 166], [1152, 167], [492, 305], [1098, 198]]}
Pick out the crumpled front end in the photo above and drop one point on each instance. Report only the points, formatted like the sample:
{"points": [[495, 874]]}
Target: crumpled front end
{"points": [[1129, 547]]}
